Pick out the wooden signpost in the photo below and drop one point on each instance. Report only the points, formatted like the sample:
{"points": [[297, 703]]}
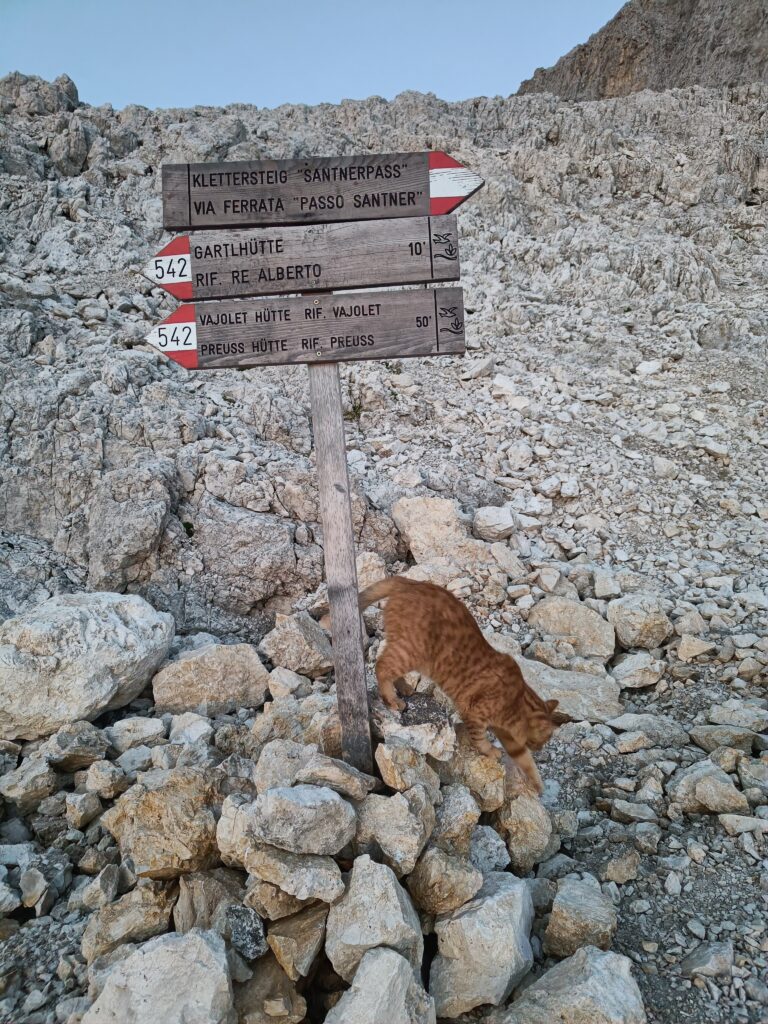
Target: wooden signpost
{"points": [[309, 242]]}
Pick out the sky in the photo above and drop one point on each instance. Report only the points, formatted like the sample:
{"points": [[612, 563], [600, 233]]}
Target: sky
{"points": [[180, 53]]}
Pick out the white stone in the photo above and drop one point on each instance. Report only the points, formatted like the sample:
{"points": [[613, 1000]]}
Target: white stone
{"points": [[483, 948], [374, 911], [212, 679], [176, 979], [590, 987], [190, 728], [76, 656], [384, 990], [585, 629]]}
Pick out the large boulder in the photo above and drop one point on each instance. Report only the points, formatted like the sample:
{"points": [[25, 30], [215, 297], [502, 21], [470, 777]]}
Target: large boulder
{"points": [[581, 696], [302, 819], [384, 991], [703, 788], [176, 979], [483, 948], [581, 916], [166, 823], [212, 679], [434, 532], [590, 987], [141, 914], [76, 656], [374, 911], [584, 628], [639, 621]]}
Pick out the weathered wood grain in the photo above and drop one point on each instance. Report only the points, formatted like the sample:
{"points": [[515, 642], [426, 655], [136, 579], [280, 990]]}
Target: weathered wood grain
{"points": [[340, 570], [300, 191], [279, 260], [327, 328]]}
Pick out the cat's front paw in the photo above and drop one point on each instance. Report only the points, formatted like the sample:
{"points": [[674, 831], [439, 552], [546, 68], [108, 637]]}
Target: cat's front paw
{"points": [[396, 704]]}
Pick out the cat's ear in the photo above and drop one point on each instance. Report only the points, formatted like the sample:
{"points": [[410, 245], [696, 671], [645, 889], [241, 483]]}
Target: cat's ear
{"points": [[551, 705]]}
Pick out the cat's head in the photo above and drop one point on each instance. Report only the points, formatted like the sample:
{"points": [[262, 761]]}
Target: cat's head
{"points": [[540, 723]]}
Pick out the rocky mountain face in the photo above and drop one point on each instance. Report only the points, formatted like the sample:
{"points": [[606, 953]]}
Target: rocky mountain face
{"points": [[663, 44], [176, 828]]}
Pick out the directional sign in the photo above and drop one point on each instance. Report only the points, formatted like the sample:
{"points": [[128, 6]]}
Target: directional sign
{"points": [[271, 261], [329, 328], [313, 190]]}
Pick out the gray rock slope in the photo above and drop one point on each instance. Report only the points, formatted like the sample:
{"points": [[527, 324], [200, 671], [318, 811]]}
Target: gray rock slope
{"points": [[615, 271], [664, 44]]}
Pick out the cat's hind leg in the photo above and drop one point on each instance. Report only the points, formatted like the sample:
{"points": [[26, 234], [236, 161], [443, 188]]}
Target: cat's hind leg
{"points": [[389, 677]]}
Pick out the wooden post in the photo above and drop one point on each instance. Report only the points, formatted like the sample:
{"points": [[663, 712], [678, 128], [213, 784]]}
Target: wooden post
{"points": [[340, 569]]}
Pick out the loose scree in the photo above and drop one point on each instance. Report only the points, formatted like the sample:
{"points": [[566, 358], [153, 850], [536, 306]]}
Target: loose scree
{"points": [[288, 229]]}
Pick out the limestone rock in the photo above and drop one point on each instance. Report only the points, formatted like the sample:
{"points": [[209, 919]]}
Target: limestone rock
{"points": [[167, 822], [306, 876], [269, 901], [190, 728], [401, 768], [661, 47], [655, 730], [30, 783], [384, 991], [139, 915], [177, 979], [303, 819], [269, 997], [704, 788], [425, 726], [487, 850], [374, 911], [639, 621], [74, 657], [433, 531], [337, 775], [214, 900], [524, 821], [396, 827], [128, 733], [284, 683], [590, 986], [740, 713], [74, 747], [106, 779], [297, 940], [636, 671], [82, 808], [710, 960], [297, 642], [442, 882], [280, 762], [582, 697], [212, 680], [482, 776], [456, 817], [581, 916], [483, 948], [710, 737], [495, 522], [584, 628]]}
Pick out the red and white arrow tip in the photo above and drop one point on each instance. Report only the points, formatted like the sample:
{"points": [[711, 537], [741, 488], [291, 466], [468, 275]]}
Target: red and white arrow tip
{"points": [[176, 336], [450, 183], [172, 268]]}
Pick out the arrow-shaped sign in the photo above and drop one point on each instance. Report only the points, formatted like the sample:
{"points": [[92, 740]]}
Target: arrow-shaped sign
{"points": [[262, 192], [357, 325], [272, 261]]}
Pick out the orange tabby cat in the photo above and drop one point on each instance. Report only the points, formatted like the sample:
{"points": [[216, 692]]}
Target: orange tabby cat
{"points": [[428, 630]]}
